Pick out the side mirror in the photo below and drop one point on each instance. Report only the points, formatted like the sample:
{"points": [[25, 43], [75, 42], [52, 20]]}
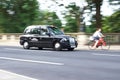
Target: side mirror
{"points": [[48, 34]]}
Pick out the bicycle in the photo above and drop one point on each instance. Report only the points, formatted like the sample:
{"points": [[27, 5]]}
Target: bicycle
{"points": [[103, 43]]}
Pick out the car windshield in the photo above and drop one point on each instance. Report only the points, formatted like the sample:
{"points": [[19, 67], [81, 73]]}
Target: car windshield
{"points": [[55, 31]]}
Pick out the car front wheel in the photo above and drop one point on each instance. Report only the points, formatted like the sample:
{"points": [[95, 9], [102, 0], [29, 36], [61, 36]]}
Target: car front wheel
{"points": [[26, 45], [57, 46]]}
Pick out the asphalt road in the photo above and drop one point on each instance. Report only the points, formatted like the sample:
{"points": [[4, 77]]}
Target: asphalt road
{"points": [[61, 65]]}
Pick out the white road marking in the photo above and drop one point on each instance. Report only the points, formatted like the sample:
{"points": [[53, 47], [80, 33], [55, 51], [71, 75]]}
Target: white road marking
{"points": [[112, 55], [5, 75], [25, 50], [32, 61], [13, 49]]}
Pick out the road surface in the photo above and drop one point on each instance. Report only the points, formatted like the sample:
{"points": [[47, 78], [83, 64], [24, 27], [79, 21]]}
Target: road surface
{"points": [[61, 65]]}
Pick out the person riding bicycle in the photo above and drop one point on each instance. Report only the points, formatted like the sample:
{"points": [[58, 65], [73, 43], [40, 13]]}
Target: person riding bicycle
{"points": [[97, 36]]}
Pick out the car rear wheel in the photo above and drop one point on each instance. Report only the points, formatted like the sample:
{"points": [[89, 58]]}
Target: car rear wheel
{"points": [[57, 46], [26, 45]]}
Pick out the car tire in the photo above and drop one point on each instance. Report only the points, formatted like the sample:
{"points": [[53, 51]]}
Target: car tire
{"points": [[57, 46], [26, 45]]}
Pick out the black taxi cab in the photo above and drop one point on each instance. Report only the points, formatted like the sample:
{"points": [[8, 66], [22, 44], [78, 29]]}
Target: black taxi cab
{"points": [[45, 36]]}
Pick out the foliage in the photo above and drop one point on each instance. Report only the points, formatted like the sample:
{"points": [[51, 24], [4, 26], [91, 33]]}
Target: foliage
{"points": [[15, 15], [95, 6], [112, 23], [114, 2], [75, 14], [49, 18], [108, 23], [72, 18], [91, 28]]}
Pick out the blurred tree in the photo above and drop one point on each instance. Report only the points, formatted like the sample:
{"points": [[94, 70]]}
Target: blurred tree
{"points": [[115, 2], [112, 23], [15, 15], [49, 18], [72, 17], [95, 6]]}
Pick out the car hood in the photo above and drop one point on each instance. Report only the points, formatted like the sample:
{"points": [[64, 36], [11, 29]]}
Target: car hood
{"points": [[62, 36]]}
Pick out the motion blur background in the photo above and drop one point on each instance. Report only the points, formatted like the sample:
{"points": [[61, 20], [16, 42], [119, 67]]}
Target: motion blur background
{"points": [[72, 16]]}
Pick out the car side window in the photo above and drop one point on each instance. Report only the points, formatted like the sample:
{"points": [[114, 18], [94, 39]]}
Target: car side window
{"points": [[32, 31], [27, 31], [35, 31], [43, 31]]}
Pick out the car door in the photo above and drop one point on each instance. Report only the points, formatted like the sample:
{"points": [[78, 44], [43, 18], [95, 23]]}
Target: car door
{"points": [[34, 38], [45, 40]]}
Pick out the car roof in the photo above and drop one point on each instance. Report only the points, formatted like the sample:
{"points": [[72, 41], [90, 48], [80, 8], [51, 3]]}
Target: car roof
{"points": [[36, 26]]}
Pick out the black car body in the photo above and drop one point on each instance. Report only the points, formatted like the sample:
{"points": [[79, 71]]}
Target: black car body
{"points": [[45, 36]]}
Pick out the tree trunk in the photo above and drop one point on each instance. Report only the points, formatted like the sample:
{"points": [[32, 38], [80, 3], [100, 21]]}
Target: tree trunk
{"points": [[98, 13]]}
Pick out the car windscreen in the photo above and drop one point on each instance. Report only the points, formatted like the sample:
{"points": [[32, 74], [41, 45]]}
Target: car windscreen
{"points": [[55, 31]]}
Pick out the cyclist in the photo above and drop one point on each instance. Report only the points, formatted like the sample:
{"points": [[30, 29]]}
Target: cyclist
{"points": [[97, 36]]}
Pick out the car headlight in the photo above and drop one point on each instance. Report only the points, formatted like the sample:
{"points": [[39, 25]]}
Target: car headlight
{"points": [[72, 40], [63, 40]]}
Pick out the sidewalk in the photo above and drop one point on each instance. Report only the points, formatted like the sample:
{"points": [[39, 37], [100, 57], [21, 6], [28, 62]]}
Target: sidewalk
{"points": [[80, 47], [9, 43]]}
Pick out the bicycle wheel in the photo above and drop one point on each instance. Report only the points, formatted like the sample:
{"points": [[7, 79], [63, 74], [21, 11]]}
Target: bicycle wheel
{"points": [[106, 47], [91, 44]]}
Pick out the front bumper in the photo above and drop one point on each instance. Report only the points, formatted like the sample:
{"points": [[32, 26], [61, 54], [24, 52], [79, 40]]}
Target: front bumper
{"points": [[69, 45]]}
